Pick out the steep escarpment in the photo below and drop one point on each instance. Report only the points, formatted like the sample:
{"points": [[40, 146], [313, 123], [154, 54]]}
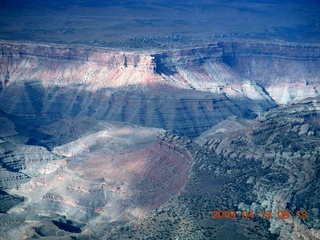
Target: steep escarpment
{"points": [[62, 65], [226, 67], [184, 90], [184, 111], [288, 72]]}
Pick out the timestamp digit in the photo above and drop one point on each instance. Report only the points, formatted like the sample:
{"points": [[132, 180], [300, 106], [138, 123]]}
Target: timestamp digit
{"points": [[283, 214], [245, 214], [222, 214], [303, 214], [266, 214], [233, 214], [215, 214]]}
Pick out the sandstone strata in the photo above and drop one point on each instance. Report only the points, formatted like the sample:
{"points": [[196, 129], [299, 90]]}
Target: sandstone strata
{"points": [[234, 68]]}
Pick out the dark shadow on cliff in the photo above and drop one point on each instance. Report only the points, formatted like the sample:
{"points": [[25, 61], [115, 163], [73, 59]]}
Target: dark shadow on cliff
{"points": [[30, 106]]}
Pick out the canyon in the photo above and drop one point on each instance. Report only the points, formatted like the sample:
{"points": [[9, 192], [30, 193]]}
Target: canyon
{"points": [[101, 143], [187, 90]]}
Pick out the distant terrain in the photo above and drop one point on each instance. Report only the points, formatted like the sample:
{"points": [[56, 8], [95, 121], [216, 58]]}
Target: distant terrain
{"points": [[160, 24]]}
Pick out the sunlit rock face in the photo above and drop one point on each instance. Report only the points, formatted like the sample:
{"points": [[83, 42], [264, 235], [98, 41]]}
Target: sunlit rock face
{"points": [[258, 71], [186, 91], [62, 65], [288, 72]]}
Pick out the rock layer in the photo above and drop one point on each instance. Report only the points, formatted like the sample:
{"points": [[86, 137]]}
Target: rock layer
{"points": [[186, 91], [288, 72], [113, 174], [184, 111], [233, 68]]}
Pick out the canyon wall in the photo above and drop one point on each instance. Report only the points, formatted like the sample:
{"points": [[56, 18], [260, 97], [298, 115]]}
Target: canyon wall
{"points": [[185, 111], [288, 72], [57, 65], [214, 67], [184, 90]]}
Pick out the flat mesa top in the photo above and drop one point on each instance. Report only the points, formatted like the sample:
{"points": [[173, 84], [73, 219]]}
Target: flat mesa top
{"points": [[157, 24]]}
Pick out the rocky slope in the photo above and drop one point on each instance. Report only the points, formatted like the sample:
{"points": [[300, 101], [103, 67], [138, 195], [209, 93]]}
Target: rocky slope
{"points": [[184, 111], [257, 166], [111, 174], [285, 143], [109, 180], [233, 68]]}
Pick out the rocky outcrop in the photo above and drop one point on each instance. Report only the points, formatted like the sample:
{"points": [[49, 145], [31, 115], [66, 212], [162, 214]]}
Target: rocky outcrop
{"points": [[56, 65], [220, 67], [279, 170], [7, 201], [286, 72]]}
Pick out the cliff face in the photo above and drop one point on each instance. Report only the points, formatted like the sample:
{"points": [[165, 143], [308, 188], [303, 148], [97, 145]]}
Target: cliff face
{"points": [[226, 67], [186, 91], [64, 65], [287, 72], [156, 89], [184, 111]]}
